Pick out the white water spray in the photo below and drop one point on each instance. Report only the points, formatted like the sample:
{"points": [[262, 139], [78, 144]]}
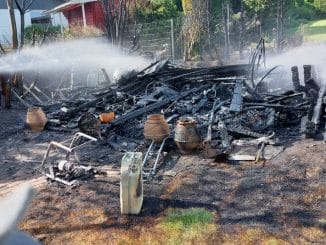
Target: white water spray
{"points": [[82, 55], [309, 54]]}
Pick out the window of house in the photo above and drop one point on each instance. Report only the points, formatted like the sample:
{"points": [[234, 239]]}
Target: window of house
{"points": [[38, 18], [44, 20]]}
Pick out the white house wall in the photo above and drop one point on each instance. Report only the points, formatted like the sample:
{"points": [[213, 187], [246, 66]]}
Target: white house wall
{"points": [[56, 20], [5, 30]]}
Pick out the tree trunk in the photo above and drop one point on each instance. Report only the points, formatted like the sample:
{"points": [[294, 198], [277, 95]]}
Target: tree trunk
{"points": [[226, 16], [22, 29], [208, 20], [116, 18], [241, 33], [17, 82], [279, 22], [6, 92], [10, 6]]}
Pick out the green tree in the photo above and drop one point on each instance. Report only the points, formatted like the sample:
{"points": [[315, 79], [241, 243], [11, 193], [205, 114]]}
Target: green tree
{"points": [[257, 5], [155, 10], [320, 5]]}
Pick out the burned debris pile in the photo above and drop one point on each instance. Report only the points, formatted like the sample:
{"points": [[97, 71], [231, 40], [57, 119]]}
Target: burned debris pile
{"points": [[219, 100]]}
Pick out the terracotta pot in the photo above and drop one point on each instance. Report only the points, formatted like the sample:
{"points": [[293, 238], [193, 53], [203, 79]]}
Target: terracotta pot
{"points": [[36, 119], [186, 135], [107, 117], [156, 128]]}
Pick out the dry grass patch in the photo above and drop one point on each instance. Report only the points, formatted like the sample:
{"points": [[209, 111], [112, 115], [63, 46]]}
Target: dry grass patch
{"points": [[252, 236]]}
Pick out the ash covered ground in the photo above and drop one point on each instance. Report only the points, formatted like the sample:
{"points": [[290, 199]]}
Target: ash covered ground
{"points": [[283, 197]]}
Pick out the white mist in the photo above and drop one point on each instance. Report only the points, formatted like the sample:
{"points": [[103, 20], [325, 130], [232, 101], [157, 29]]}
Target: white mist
{"points": [[83, 55], [308, 54]]}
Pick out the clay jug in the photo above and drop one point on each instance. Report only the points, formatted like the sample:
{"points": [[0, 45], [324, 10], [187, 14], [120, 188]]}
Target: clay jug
{"points": [[186, 135], [36, 119], [156, 128]]}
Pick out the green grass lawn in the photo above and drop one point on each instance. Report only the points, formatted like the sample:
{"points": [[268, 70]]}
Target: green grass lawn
{"points": [[315, 31]]}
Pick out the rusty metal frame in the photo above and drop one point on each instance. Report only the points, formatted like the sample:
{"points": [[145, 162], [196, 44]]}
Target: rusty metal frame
{"points": [[68, 149]]}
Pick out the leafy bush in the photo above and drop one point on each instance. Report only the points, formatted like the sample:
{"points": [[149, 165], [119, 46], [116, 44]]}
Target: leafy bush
{"points": [[300, 14], [53, 32], [76, 32], [156, 10], [304, 12], [320, 5]]}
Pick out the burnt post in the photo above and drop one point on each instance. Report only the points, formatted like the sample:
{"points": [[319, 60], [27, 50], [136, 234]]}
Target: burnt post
{"points": [[295, 78], [317, 112], [307, 72], [6, 92]]}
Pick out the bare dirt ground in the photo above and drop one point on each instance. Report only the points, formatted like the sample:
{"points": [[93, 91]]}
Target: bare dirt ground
{"points": [[282, 200]]}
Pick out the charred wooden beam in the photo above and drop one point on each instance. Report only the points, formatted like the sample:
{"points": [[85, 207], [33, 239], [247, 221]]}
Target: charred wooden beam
{"points": [[242, 131], [209, 150], [312, 120], [17, 82], [29, 90], [237, 100], [224, 134], [133, 114], [307, 72], [2, 50], [278, 106], [211, 72], [6, 92], [200, 104], [296, 79], [70, 113], [21, 100], [211, 119], [318, 107], [311, 85], [286, 97], [134, 79]]}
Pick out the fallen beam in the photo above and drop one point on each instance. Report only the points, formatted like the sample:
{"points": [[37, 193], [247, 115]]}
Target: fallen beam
{"points": [[72, 112], [133, 114]]}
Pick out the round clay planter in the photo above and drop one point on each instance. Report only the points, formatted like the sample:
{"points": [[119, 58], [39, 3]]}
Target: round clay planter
{"points": [[36, 119], [156, 128], [186, 135], [107, 117]]}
